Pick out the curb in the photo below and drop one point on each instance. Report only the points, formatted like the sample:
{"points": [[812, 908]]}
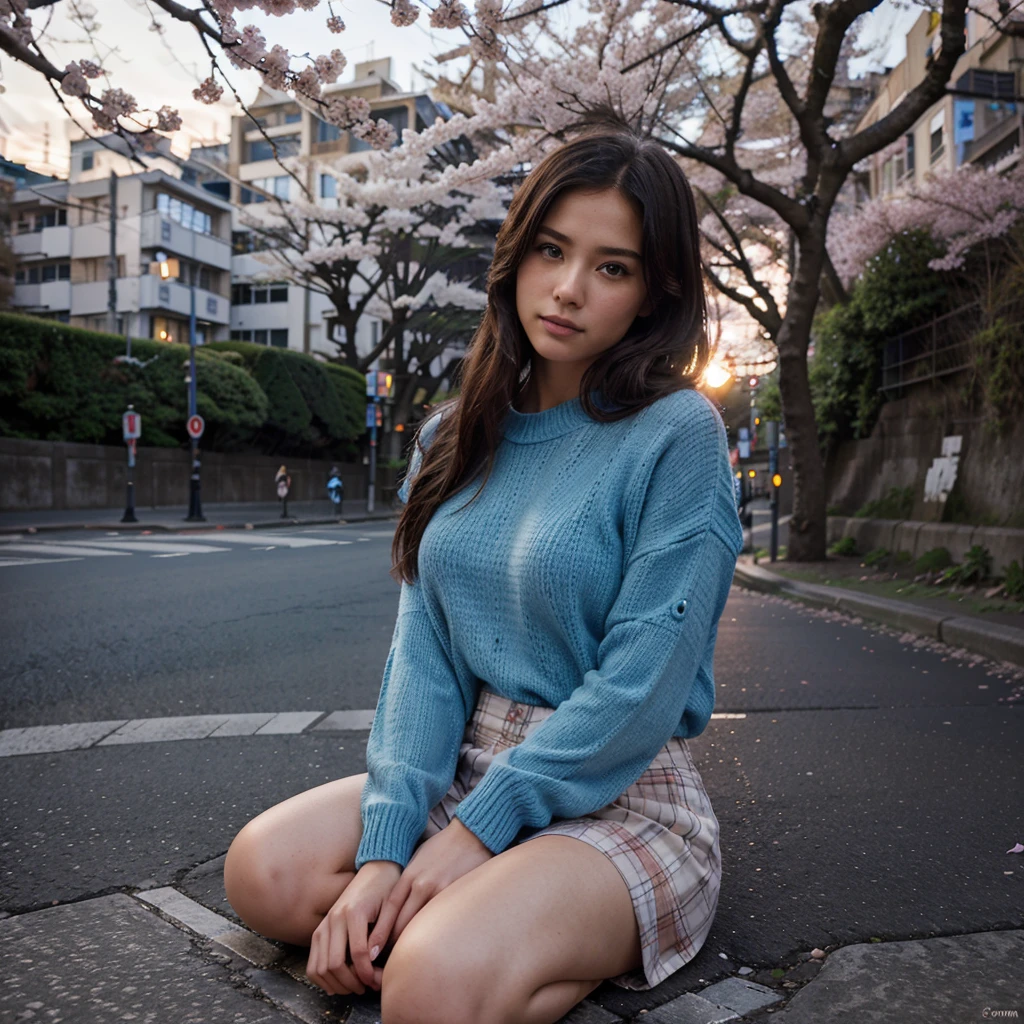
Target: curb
{"points": [[185, 527], [993, 640]]}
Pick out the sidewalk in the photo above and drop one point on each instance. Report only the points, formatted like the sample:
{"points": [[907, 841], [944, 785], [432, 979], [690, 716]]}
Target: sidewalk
{"points": [[219, 516], [162, 954], [991, 639]]}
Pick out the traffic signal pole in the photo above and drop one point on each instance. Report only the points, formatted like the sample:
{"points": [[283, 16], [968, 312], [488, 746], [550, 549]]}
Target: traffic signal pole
{"points": [[772, 428]]}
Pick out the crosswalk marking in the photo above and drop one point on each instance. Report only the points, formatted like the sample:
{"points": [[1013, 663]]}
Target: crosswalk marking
{"points": [[277, 541], [6, 562], [152, 547], [57, 548]]}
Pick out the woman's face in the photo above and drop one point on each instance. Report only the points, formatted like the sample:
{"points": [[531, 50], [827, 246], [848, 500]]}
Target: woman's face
{"points": [[569, 273]]}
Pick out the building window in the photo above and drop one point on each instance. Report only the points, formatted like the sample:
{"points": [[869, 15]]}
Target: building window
{"points": [[328, 186], [293, 117], [19, 276], [248, 294], [279, 337], [910, 152], [277, 186], [327, 132], [87, 159], [935, 128], [263, 149], [51, 219], [63, 271], [163, 329], [241, 335], [260, 337], [33, 275], [184, 214]]}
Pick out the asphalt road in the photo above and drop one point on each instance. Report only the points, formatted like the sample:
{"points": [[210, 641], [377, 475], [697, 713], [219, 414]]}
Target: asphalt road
{"points": [[865, 787]]}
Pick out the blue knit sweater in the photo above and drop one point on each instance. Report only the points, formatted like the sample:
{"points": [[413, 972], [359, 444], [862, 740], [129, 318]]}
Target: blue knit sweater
{"points": [[588, 576]]}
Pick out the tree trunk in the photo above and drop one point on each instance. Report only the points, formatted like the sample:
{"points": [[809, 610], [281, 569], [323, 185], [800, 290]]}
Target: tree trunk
{"points": [[807, 527]]}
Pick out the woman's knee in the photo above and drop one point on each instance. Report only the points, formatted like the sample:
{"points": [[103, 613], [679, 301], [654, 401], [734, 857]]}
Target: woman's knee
{"points": [[428, 980], [256, 882]]}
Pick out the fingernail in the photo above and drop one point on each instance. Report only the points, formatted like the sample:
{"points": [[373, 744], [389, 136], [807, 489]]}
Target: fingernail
{"points": [[374, 952]]}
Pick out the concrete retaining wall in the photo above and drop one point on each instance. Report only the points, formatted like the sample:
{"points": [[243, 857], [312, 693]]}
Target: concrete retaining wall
{"points": [[1005, 544], [38, 475]]}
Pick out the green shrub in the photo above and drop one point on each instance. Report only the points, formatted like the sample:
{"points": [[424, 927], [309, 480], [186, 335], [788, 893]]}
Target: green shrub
{"points": [[897, 504], [1014, 581], [844, 546], [876, 557], [901, 557], [933, 560], [61, 383], [976, 566]]}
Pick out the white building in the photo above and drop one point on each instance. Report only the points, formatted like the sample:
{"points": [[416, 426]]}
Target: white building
{"points": [[289, 315], [61, 240]]}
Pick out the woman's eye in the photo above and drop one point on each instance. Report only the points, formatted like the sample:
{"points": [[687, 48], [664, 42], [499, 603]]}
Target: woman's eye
{"points": [[617, 266], [544, 246]]}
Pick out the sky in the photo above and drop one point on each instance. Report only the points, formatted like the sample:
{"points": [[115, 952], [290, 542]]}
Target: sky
{"points": [[161, 68]]}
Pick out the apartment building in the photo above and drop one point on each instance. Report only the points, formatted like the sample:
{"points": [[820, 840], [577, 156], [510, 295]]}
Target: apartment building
{"points": [[978, 121], [283, 314], [61, 241]]}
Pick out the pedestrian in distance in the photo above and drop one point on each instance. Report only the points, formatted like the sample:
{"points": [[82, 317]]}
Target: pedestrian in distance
{"points": [[283, 484], [336, 489], [532, 821]]}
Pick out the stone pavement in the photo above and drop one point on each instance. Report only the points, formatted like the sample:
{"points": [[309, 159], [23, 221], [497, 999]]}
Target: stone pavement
{"points": [[162, 955], [226, 515]]}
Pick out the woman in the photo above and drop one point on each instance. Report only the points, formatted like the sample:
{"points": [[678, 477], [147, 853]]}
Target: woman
{"points": [[532, 822]]}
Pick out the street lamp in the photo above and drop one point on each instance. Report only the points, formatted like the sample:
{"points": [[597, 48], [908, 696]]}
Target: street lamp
{"points": [[166, 267]]}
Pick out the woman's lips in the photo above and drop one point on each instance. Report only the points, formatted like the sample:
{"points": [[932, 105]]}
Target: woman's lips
{"points": [[558, 330]]}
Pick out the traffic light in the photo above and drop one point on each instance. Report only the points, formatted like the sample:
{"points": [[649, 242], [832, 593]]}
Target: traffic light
{"points": [[751, 473], [776, 479], [752, 382]]}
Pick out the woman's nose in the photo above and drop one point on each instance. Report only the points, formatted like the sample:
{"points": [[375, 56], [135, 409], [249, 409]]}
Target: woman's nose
{"points": [[569, 287]]}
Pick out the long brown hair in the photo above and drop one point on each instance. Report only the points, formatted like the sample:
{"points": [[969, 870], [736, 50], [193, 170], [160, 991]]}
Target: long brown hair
{"points": [[659, 354]]}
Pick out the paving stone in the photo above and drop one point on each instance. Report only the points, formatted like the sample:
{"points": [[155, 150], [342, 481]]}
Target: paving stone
{"points": [[687, 1009], [112, 959], [589, 1013], [956, 979], [740, 995]]}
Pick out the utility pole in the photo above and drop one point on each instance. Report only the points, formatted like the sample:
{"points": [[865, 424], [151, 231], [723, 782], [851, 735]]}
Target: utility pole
{"points": [[112, 261]]}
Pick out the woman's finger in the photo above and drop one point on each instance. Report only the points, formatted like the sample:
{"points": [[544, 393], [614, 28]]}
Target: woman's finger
{"points": [[413, 905], [357, 939], [337, 968]]}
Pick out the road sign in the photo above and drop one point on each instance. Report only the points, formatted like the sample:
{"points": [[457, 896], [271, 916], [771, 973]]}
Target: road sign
{"points": [[195, 427], [131, 425]]}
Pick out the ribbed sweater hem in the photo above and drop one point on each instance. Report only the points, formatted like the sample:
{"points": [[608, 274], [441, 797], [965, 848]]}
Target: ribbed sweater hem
{"points": [[389, 833]]}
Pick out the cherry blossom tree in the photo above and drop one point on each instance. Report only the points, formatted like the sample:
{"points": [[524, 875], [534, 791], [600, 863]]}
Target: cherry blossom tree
{"points": [[971, 208]]}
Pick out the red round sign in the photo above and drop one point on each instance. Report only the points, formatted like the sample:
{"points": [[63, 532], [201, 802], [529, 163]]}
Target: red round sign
{"points": [[195, 427]]}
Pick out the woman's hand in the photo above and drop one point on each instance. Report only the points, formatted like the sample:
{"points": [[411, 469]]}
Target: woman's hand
{"points": [[344, 928], [439, 861]]}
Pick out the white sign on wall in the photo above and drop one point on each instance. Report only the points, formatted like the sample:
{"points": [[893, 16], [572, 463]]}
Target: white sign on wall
{"points": [[941, 475]]}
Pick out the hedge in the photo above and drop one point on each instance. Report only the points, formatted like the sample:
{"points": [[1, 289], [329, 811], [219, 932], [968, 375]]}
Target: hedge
{"points": [[62, 383]]}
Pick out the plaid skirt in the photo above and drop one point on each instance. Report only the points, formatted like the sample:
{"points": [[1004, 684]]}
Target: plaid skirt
{"points": [[661, 834]]}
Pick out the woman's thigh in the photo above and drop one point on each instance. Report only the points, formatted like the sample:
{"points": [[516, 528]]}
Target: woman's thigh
{"points": [[551, 910], [287, 866]]}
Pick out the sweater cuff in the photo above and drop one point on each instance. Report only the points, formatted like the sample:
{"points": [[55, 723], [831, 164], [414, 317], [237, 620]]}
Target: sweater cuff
{"points": [[498, 806], [389, 833]]}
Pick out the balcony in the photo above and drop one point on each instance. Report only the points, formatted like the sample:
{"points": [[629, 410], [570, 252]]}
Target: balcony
{"points": [[49, 297], [173, 297], [160, 232], [50, 243]]}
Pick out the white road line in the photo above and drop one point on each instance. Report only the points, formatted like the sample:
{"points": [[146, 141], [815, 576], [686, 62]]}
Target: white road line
{"points": [[279, 541], [50, 739], [7, 562], [151, 547], [59, 549]]}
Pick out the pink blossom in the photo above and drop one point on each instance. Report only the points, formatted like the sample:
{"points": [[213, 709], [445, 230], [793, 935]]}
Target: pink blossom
{"points": [[358, 108], [449, 14], [335, 24], [379, 134], [208, 92], [403, 12], [330, 67], [167, 119], [115, 103], [89, 69], [73, 82], [274, 65], [307, 82], [249, 50]]}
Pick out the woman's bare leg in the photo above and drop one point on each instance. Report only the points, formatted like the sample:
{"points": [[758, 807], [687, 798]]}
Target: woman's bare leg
{"points": [[287, 867]]}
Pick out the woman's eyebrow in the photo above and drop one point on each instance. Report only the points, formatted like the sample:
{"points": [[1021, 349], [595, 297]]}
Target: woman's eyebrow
{"points": [[604, 250]]}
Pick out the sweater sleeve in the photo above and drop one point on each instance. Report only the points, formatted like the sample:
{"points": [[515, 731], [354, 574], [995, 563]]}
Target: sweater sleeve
{"points": [[682, 537], [417, 730]]}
